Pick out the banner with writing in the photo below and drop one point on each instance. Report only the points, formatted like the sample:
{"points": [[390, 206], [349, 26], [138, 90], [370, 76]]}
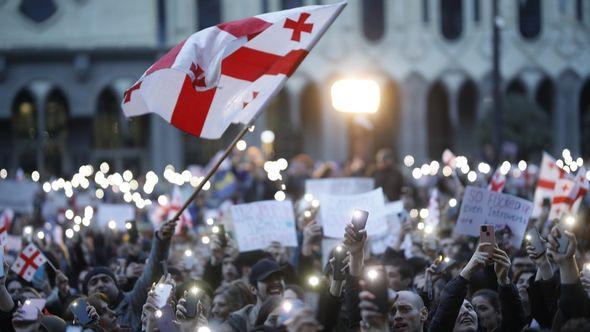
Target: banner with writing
{"points": [[259, 224], [508, 213], [336, 211]]}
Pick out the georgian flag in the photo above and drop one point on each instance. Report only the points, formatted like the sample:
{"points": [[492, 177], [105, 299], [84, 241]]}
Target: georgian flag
{"points": [[227, 73], [548, 176], [564, 196], [497, 182], [583, 186], [28, 262], [5, 221]]}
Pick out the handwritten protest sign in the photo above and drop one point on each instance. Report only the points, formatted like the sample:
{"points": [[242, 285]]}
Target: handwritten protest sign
{"points": [[259, 224], [336, 211], [120, 213], [339, 186], [378, 244], [508, 213], [18, 195]]}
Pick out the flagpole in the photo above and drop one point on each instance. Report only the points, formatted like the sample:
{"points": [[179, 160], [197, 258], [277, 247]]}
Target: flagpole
{"points": [[212, 171], [51, 265]]}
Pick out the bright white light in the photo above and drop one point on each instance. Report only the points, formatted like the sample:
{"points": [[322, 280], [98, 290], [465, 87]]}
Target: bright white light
{"points": [[315, 203], [280, 195], [588, 175], [99, 193], [566, 169], [408, 161], [424, 213], [205, 240], [163, 200], [434, 166], [35, 176], [127, 175], [505, 167], [308, 197], [428, 229], [416, 173], [188, 253], [69, 214], [104, 167], [356, 96], [465, 168], [483, 168], [69, 233], [472, 176], [46, 187], [186, 175], [580, 162], [125, 187], [112, 224], [559, 163], [127, 197], [215, 229], [313, 281], [77, 220], [287, 306], [447, 171], [3, 173], [241, 145], [207, 185], [40, 235], [76, 228], [203, 329], [414, 213], [420, 226], [570, 220], [573, 167], [425, 169], [566, 153], [267, 137], [522, 165], [140, 204], [128, 225], [452, 202], [86, 221], [307, 214], [158, 313], [282, 164], [372, 274], [28, 230], [209, 221]]}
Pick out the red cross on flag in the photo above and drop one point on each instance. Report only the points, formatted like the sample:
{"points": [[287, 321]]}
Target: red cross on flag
{"points": [[564, 196], [548, 176], [28, 262], [497, 182], [5, 221], [227, 73]]}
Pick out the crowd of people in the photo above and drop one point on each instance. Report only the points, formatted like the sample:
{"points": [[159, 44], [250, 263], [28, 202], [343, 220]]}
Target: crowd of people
{"points": [[441, 282]]}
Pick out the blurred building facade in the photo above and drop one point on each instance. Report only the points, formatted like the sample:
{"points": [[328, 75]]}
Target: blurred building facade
{"points": [[64, 65]]}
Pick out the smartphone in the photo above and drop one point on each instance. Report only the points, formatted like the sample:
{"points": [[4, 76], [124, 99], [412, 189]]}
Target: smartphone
{"points": [[132, 231], [562, 240], [31, 308], [445, 264], [289, 308], [192, 302], [339, 256], [487, 234], [165, 319], [79, 309], [162, 294], [222, 235], [376, 282], [533, 238], [359, 221], [2, 273]]}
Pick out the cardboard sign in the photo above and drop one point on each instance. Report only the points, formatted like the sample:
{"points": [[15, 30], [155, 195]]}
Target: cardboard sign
{"points": [[338, 186], [336, 211], [508, 213], [18, 195], [259, 224], [120, 213]]}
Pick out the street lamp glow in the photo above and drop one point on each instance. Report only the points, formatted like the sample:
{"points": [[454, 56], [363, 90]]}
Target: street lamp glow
{"points": [[356, 96]]}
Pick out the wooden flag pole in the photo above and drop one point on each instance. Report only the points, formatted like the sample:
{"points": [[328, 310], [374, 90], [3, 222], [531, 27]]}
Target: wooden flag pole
{"points": [[212, 171]]}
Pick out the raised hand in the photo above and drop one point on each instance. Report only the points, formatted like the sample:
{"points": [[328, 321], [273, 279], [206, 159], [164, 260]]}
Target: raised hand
{"points": [[479, 259], [501, 266], [167, 230]]}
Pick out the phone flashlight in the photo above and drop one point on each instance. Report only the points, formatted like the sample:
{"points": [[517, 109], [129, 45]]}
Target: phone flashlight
{"points": [[307, 214], [570, 220], [158, 313], [215, 229], [315, 203], [313, 281]]}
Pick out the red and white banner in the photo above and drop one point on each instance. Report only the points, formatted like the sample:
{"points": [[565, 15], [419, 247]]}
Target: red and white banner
{"points": [[548, 176], [5, 221], [498, 181], [28, 262], [564, 196], [227, 73]]}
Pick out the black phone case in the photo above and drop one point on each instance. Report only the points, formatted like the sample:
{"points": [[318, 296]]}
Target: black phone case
{"points": [[80, 312], [192, 302], [360, 223], [378, 288], [338, 265]]}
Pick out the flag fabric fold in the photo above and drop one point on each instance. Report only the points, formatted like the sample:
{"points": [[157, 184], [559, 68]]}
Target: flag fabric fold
{"points": [[498, 181], [28, 262], [227, 73]]}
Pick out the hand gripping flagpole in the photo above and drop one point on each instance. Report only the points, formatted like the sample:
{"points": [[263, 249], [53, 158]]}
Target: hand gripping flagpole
{"points": [[212, 171]]}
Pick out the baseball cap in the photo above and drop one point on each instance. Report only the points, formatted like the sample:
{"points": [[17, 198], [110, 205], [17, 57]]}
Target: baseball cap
{"points": [[263, 269]]}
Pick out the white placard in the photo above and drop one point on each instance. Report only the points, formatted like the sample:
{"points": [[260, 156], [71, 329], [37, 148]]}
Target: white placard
{"points": [[18, 195], [338, 186], [120, 213], [378, 244], [481, 206], [259, 224], [336, 212]]}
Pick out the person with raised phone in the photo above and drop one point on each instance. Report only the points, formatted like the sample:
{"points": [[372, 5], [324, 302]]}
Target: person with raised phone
{"points": [[488, 309]]}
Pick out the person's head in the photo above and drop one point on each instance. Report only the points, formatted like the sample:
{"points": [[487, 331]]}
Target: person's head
{"points": [[467, 320], [107, 317], [384, 158], [202, 288], [229, 298], [487, 306], [399, 273], [14, 287], [27, 293], [278, 252], [522, 284], [266, 279], [408, 313], [51, 323], [520, 263], [229, 270], [101, 280]]}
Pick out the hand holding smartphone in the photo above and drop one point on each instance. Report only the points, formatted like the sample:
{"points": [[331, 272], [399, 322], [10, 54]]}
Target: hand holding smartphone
{"points": [[339, 256], [359, 221], [80, 311], [192, 302], [31, 309], [376, 283], [487, 234], [533, 238], [162, 294]]}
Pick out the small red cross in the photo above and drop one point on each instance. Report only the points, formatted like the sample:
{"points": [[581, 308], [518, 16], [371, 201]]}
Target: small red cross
{"points": [[29, 261], [565, 187], [128, 93], [254, 95], [198, 72], [551, 165], [298, 26]]}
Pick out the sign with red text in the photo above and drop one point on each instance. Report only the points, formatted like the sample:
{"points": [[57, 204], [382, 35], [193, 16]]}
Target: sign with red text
{"points": [[508, 213]]}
